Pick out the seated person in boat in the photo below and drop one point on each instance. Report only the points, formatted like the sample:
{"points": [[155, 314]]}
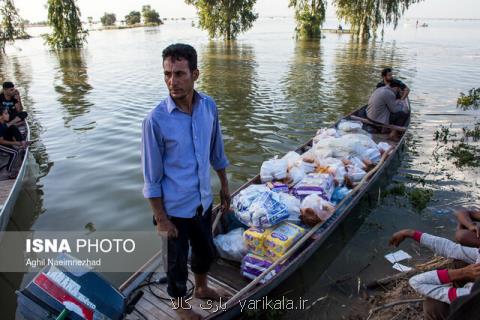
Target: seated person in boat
{"points": [[441, 287], [468, 229], [10, 99], [10, 140], [181, 139], [384, 108], [387, 78]]}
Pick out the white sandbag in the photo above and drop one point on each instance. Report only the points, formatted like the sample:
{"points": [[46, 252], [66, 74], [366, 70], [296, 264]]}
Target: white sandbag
{"points": [[231, 246], [275, 169]]}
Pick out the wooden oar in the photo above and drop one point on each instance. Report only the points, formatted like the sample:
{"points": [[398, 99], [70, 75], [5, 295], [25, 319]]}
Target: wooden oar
{"points": [[387, 126], [307, 235]]}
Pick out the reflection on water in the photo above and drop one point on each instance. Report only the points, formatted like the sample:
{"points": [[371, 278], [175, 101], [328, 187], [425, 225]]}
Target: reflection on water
{"points": [[71, 83], [273, 93]]}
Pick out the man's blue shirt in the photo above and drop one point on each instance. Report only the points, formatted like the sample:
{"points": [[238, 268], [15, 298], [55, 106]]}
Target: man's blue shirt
{"points": [[177, 151]]}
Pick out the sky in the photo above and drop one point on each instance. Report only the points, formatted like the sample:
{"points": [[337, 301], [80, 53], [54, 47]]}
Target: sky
{"points": [[35, 10]]}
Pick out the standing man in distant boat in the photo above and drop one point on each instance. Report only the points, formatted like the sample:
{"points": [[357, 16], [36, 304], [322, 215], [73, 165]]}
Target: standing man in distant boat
{"points": [[181, 139], [387, 78]]}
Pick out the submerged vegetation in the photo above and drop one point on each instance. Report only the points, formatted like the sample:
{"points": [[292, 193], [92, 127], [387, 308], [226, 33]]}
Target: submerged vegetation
{"points": [[67, 30], [309, 15], [469, 101], [464, 155], [418, 197]]}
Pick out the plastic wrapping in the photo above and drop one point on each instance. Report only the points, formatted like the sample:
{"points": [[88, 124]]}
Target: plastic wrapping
{"points": [[253, 266], [384, 146], [242, 201], [314, 209], [355, 173], [253, 239], [292, 203], [281, 239], [372, 154], [230, 246], [292, 157], [315, 183], [264, 210], [295, 175], [349, 126], [275, 169], [339, 194]]}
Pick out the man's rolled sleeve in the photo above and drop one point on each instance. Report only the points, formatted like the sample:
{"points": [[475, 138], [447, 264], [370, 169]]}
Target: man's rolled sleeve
{"points": [[218, 159], [152, 155]]}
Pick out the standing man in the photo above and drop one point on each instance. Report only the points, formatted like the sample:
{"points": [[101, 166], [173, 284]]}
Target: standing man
{"points": [[10, 99], [181, 139], [387, 78]]}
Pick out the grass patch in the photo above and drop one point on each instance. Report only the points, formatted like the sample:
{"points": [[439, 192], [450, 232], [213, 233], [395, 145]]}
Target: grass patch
{"points": [[444, 134], [469, 101], [464, 155], [419, 198], [473, 134]]}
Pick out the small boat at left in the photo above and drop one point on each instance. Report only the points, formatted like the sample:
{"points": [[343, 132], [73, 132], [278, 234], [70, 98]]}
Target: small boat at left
{"points": [[10, 188]]}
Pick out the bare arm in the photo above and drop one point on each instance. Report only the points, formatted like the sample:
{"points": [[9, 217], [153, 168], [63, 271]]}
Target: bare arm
{"points": [[9, 143], [466, 217], [224, 191], [18, 105], [405, 93], [163, 224]]}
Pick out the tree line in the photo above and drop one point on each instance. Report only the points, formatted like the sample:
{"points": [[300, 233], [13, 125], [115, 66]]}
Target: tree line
{"points": [[223, 18]]}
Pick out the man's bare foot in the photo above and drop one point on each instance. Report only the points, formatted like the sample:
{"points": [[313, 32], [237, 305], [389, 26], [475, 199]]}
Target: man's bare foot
{"points": [[186, 314], [210, 294]]}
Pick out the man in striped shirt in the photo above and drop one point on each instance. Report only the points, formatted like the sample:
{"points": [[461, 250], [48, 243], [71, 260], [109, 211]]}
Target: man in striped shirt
{"points": [[437, 285]]}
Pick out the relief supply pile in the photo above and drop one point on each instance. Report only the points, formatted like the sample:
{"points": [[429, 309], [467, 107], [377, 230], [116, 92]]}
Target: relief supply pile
{"points": [[296, 193]]}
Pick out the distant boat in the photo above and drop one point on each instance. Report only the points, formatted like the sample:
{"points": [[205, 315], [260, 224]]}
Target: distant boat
{"points": [[10, 188], [424, 25], [337, 30]]}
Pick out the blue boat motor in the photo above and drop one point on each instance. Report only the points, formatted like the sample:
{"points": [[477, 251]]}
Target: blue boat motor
{"points": [[76, 293]]}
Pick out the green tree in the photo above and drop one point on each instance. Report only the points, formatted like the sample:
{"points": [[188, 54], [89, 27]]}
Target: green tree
{"points": [[226, 18], [309, 15], [67, 30], [90, 20], [365, 16], [133, 18], [108, 19], [150, 16], [12, 25]]}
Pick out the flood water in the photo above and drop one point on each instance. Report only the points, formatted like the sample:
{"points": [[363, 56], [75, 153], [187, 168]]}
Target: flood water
{"points": [[273, 92]]}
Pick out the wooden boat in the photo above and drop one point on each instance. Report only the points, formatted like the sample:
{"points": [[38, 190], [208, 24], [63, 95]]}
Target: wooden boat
{"points": [[226, 275], [10, 188], [337, 30]]}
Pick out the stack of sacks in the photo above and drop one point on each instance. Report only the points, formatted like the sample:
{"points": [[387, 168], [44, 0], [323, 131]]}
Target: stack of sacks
{"points": [[315, 209], [315, 183], [347, 146], [254, 239], [275, 169], [253, 266]]}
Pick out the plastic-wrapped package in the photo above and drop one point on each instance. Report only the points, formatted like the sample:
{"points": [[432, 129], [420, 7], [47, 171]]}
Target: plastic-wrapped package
{"points": [[314, 209], [349, 126], [325, 133], [362, 139], [265, 211], [253, 266], [355, 173], [281, 239], [253, 239], [295, 175], [356, 161], [339, 194], [333, 166], [315, 183], [230, 246], [384, 146], [292, 157], [277, 186], [372, 154], [242, 201], [275, 169], [292, 203]]}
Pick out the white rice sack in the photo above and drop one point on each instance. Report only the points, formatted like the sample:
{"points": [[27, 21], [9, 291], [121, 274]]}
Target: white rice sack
{"points": [[242, 201], [231, 246], [275, 169], [292, 203]]}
